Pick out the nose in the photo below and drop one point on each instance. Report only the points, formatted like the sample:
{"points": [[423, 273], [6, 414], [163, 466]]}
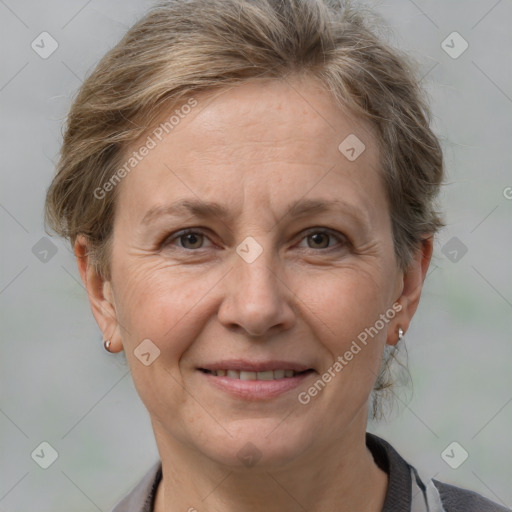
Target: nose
{"points": [[257, 299]]}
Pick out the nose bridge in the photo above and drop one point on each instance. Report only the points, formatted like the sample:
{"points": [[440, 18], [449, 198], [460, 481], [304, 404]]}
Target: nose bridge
{"points": [[256, 298], [256, 269]]}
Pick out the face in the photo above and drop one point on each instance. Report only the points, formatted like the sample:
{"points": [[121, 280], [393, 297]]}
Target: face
{"points": [[253, 254]]}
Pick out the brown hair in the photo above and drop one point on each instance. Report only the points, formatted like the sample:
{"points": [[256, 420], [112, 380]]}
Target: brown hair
{"points": [[183, 47]]}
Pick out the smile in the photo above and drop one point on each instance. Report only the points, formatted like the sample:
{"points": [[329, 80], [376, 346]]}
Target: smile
{"points": [[255, 381], [250, 375]]}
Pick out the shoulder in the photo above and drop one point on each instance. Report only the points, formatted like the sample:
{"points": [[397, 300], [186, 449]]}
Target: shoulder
{"points": [[408, 491], [141, 498], [456, 499]]}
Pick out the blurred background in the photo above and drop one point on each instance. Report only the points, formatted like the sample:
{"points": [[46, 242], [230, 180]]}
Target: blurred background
{"points": [[58, 385]]}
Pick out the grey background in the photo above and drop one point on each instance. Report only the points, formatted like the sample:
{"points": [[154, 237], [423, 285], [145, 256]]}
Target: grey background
{"points": [[58, 385]]}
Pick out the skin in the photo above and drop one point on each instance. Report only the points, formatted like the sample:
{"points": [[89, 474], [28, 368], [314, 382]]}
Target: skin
{"points": [[255, 149]]}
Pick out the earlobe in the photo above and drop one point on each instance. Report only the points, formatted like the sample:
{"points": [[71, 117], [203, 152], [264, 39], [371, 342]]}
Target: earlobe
{"points": [[412, 286], [100, 295]]}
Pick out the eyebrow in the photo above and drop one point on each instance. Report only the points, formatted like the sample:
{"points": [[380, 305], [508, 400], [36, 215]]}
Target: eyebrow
{"points": [[186, 207], [303, 207], [204, 209]]}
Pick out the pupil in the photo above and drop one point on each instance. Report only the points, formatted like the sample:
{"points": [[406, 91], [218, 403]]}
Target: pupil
{"points": [[317, 238], [191, 238]]}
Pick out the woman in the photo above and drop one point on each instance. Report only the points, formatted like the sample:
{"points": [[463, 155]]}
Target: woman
{"points": [[249, 188]]}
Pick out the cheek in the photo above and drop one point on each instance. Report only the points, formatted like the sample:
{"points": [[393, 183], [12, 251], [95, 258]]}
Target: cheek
{"points": [[345, 308], [163, 304], [345, 302]]}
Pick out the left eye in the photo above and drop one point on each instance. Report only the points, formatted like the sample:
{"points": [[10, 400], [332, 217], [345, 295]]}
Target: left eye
{"points": [[320, 239]]}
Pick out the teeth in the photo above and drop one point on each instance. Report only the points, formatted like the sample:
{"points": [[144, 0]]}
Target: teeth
{"points": [[247, 375]]}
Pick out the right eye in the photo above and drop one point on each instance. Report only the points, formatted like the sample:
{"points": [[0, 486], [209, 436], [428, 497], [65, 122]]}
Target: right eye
{"points": [[188, 239]]}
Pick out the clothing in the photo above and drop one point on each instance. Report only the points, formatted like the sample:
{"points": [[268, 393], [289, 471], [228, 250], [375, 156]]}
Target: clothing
{"points": [[406, 492]]}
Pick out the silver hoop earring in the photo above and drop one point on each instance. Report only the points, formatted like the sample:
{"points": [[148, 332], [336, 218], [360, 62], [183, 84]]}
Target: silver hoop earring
{"points": [[106, 345], [400, 334]]}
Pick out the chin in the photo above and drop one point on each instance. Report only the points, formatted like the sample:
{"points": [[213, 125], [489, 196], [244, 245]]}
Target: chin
{"points": [[263, 443]]}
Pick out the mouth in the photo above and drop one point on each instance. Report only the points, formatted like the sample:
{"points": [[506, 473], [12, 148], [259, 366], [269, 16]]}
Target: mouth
{"points": [[251, 375], [255, 381]]}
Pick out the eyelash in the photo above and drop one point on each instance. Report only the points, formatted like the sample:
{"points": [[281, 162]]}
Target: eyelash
{"points": [[342, 240]]}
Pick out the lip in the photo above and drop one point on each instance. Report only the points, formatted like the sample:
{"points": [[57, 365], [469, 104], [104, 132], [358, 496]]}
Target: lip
{"points": [[255, 390]]}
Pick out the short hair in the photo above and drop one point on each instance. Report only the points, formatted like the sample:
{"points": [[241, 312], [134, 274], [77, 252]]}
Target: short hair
{"points": [[183, 47]]}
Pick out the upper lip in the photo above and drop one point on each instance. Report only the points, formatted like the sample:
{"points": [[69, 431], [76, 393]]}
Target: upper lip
{"points": [[255, 366]]}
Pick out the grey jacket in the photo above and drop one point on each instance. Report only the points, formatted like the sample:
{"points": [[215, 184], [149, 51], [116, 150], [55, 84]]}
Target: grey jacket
{"points": [[406, 492]]}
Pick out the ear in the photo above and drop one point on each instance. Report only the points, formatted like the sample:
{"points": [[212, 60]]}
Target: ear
{"points": [[412, 285], [100, 295]]}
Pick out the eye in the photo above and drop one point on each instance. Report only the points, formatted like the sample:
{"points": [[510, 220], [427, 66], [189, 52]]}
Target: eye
{"points": [[189, 239], [194, 239], [322, 239]]}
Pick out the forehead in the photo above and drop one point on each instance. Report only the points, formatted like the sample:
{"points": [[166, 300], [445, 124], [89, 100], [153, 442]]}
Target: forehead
{"points": [[275, 140], [270, 113]]}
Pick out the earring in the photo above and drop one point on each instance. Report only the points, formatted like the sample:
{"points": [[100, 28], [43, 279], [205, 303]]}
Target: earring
{"points": [[106, 345], [400, 334]]}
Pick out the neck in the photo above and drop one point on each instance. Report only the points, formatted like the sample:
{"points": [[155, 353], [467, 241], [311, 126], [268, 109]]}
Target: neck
{"points": [[341, 479]]}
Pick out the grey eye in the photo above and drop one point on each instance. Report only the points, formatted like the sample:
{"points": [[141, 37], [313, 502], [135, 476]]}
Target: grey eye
{"points": [[195, 240]]}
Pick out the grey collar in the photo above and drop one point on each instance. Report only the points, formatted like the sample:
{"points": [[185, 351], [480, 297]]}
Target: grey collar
{"points": [[398, 495]]}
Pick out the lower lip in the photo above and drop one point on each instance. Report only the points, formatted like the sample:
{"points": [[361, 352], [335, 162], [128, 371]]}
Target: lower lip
{"points": [[256, 389]]}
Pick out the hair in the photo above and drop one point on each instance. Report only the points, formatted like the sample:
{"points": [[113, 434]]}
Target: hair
{"points": [[183, 47]]}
